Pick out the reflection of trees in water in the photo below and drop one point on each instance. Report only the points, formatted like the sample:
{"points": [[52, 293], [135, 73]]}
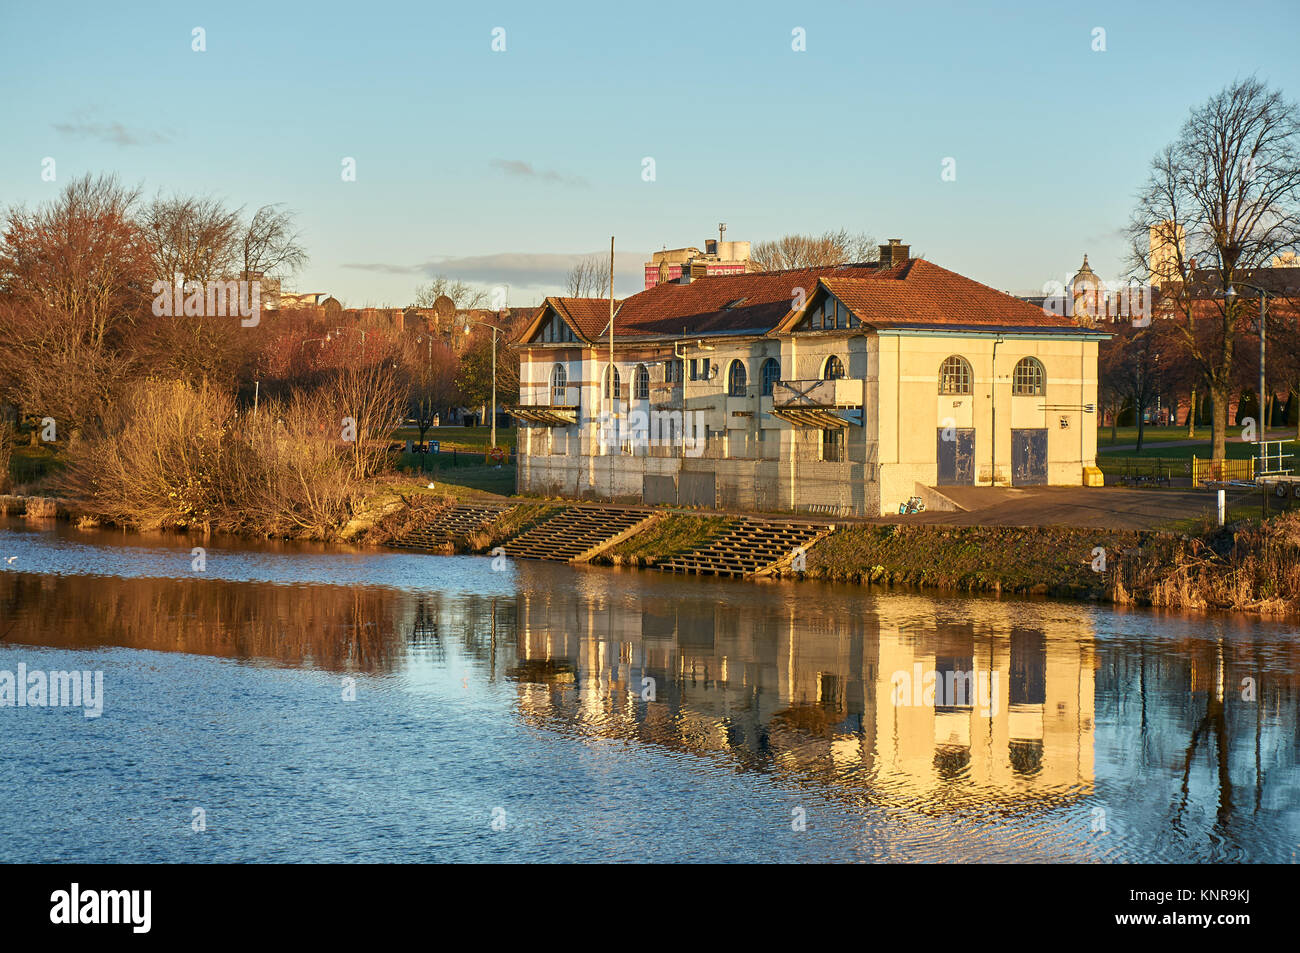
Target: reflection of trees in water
{"points": [[329, 627], [486, 625], [1190, 712]]}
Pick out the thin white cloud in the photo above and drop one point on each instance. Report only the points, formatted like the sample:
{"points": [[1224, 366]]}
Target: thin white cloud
{"points": [[521, 169], [523, 269], [111, 132]]}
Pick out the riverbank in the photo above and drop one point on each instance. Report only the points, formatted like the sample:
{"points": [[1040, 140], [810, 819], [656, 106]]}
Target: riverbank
{"points": [[1248, 568]]}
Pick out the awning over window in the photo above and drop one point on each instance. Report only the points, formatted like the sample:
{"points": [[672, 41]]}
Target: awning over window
{"points": [[545, 414], [823, 418]]}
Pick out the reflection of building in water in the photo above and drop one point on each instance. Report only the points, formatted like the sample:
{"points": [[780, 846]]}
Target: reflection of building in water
{"points": [[1025, 719], [792, 691]]}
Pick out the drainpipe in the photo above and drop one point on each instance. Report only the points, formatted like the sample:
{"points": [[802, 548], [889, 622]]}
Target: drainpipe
{"points": [[993, 411], [791, 432]]}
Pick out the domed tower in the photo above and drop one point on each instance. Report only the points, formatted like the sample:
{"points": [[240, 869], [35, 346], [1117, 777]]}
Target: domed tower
{"points": [[1087, 294]]}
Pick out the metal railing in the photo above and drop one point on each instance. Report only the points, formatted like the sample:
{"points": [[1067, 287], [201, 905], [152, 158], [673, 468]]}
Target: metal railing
{"points": [[841, 392], [1273, 462], [546, 395], [1222, 470]]}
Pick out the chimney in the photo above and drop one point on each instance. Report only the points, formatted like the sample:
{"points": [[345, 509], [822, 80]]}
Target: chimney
{"points": [[895, 253]]}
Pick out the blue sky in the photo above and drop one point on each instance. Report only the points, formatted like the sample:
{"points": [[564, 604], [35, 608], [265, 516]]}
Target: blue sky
{"points": [[502, 167]]}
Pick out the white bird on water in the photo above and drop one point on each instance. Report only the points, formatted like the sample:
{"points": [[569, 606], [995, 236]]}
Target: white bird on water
{"points": [[11, 560]]}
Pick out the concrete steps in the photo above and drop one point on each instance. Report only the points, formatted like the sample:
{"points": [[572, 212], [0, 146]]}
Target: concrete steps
{"points": [[749, 547], [451, 523], [578, 533]]}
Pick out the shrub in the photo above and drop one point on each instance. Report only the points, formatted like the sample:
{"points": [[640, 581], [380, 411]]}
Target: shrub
{"points": [[174, 455]]}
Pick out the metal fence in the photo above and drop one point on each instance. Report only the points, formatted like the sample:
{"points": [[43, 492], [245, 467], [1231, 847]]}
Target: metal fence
{"points": [[1203, 470]]}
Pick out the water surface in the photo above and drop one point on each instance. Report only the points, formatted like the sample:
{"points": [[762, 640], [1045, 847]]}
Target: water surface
{"points": [[552, 713]]}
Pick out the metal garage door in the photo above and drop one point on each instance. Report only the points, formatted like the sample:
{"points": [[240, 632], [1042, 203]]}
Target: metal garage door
{"points": [[657, 489], [697, 489], [1028, 457], [956, 457]]}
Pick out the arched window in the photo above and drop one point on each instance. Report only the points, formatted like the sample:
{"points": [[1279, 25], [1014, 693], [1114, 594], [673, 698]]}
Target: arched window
{"points": [[611, 374], [955, 376], [833, 369], [1029, 379], [736, 379], [771, 373], [642, 382], [559, 384]]}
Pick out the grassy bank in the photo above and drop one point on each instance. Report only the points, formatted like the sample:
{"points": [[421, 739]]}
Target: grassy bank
{"points": [[1250, 569], [1055, 562], [676, 533]]}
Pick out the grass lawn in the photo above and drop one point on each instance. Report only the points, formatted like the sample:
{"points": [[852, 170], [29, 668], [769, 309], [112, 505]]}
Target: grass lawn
{"points": [[468, 476], [1235, 451], [1177, 459], [460, 438], [31, 464], [1127, 436]]}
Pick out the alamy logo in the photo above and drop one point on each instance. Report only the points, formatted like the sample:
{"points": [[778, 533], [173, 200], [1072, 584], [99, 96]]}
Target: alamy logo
{"points": [[37, 689], [656, 428], [133, 907], [215, 299], [946, 689]]}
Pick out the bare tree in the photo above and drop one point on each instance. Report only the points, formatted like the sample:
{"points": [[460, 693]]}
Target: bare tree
{"points": [[1220, 202], [73, 287], [429, 369], [1133, 369], [269, 245], [196, 238], [812, 251], [78, 257], [462, 294], [369, 398], [589, 278]]}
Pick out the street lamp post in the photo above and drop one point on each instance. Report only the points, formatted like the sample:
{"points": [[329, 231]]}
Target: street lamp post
{"points": [[1263, 313], [495, 331]]}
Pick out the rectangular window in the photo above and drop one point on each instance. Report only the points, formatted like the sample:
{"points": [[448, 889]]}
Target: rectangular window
{"points": [[833, 445]]}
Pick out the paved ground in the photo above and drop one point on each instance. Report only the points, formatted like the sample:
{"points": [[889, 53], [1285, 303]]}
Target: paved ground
{"points": [[1102, 507]]}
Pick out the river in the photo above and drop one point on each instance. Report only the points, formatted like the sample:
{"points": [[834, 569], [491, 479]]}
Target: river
{"points": [[285, 702]]}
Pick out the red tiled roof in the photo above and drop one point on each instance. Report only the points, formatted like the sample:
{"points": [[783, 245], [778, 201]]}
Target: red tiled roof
{"points": [[758, 300], [916, 293], [929, 296], [587, 316]]}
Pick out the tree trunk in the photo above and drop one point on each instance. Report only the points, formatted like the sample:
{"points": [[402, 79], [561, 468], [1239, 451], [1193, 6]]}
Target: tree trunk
{"points": [[1191, 417], [1219, 427], [1139, 415]]}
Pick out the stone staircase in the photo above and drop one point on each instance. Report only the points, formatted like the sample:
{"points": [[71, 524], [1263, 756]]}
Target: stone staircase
{"points": [[750, 547], [451, 523], [578, 533]]}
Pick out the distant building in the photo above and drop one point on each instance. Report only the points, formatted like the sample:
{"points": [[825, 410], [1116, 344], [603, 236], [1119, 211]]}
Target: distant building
{"points": [[289, 299], [451, 329], [718, 258]]}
